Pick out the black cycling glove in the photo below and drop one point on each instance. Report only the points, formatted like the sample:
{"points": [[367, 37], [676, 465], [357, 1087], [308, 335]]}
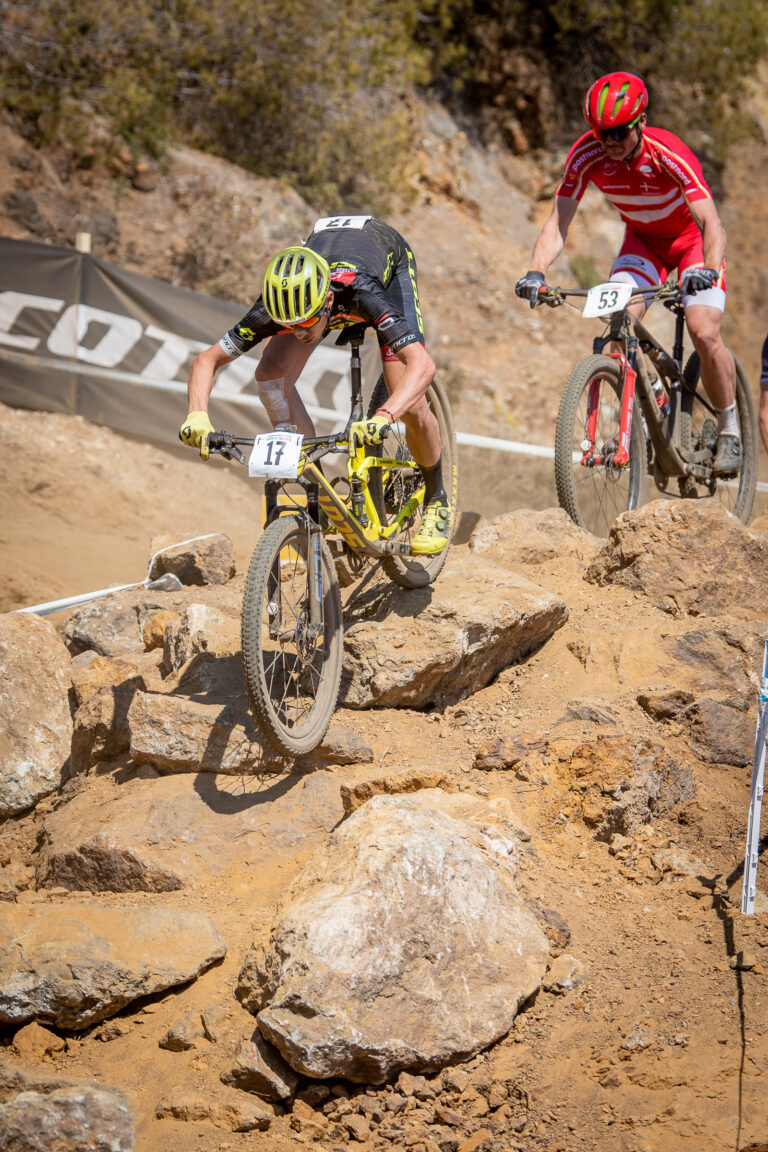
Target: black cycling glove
{"points": [[698, 280], [528, 286]]}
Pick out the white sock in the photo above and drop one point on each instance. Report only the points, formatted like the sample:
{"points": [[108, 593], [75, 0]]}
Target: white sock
{"points": [[727, 421]]}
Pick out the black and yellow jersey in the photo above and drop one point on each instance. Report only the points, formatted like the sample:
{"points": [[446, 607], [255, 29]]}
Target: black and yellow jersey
{"points": [[373, 280]]}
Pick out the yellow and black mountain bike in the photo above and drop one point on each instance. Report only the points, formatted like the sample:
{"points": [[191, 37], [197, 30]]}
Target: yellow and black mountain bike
{"points": [[292, 631]]}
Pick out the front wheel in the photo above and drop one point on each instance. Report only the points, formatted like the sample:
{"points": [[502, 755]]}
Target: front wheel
{"points": [[390, 491], [591, 487], [698, 432], [291, 654]]}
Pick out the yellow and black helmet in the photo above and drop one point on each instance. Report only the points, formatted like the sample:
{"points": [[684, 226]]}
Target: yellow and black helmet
{"points": [[296, 285]]}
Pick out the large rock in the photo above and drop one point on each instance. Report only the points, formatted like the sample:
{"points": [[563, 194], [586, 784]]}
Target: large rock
{"points": [[201, 628], [101, 724], [179, 831], [679, 553], [436, 645], [532, 537], [207, 559], [75, 964], [35, 719], [76, 1119], [177, 733], [111, 625], [404, 945]]}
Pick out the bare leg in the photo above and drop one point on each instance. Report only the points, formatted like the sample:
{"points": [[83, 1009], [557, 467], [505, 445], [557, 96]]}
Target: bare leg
{"points": [[718, 372], [284, 358]]}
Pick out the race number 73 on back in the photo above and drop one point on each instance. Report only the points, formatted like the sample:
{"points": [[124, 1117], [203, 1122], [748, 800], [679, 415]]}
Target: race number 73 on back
{"points": [[276, 455]]}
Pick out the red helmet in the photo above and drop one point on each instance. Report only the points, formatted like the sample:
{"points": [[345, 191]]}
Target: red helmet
{"points": [[614, 100]]}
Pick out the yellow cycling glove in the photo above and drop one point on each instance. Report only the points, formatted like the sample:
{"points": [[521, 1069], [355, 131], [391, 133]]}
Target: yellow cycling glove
{"points": [[195, 432], [370, 431]]}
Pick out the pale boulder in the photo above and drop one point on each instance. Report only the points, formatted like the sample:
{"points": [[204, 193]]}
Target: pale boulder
{"points": [[73, 1119], [209, 559], [35, 718], [403, 945]]}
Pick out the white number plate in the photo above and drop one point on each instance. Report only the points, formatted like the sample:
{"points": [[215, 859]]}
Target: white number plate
{"points": [[340, 222], [606, 298], [276, 455]]}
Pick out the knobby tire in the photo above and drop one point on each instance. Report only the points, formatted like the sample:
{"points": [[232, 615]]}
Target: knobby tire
{"points": [[594, 497], [698, 429], [292, 681]]}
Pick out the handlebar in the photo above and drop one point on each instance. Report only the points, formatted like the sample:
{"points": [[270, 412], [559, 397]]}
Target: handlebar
{"points": [[669, 293], [226, 445]]}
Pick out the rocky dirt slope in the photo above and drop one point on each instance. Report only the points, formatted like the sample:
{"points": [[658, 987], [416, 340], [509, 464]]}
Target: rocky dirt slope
{"points": [[612, 760]]}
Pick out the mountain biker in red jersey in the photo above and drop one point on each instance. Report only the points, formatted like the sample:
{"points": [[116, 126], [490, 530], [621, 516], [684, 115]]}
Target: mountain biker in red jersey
{"points": [[657, 186], [352, 270]]}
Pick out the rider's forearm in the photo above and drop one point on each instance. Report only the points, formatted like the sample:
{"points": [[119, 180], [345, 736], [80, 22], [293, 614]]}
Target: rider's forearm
{"points": [[418, 375], [545, 252], [201, 375], [713, 243]]}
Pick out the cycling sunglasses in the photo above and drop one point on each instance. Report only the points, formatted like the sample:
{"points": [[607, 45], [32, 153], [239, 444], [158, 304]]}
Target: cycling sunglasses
{"points": [[620, 133], [311, 320]]}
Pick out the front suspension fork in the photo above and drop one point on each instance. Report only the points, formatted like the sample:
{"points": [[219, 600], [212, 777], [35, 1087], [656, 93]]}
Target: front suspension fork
{"points": [[629, 375]]}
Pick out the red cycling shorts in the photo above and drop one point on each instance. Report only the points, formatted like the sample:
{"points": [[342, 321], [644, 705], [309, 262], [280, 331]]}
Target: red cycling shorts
{"points": [[648, 260]]}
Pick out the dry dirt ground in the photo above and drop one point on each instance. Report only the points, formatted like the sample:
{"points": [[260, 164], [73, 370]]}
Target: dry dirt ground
{"points": [[665, 1045]]}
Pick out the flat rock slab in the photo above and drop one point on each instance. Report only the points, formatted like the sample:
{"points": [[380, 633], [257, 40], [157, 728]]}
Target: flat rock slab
{"points": [[35, 719], [176, 733], [74, 964], [179, 831], [678, 554], [87, 1119], [403, 945], [434, 646]]}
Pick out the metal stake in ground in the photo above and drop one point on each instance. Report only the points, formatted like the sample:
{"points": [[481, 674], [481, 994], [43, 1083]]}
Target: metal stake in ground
{"points": [[749, 888]]}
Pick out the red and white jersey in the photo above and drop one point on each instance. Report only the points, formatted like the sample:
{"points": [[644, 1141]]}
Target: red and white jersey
{"points": [[649, 191]]}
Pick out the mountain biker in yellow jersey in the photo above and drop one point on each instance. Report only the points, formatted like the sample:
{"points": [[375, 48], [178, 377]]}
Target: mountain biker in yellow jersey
{"points": [[656, 183], [352, 270]]}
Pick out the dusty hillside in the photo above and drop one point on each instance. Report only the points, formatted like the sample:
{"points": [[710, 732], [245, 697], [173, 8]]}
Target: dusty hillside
{"points": [[663, 1045]]}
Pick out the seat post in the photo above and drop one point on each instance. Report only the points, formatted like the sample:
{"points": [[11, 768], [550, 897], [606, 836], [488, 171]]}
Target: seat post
{"points": [[355, 368]]}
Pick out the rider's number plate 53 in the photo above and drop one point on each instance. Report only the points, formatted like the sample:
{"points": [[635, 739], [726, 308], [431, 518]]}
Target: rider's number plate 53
{"points": [[276, 455], [606, 298]]}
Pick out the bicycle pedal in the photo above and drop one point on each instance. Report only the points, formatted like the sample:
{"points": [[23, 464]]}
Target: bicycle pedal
{"points": [[398, 548]]}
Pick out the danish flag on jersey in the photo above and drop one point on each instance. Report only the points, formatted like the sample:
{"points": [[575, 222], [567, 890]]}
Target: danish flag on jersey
{"points": [[649, 191]]}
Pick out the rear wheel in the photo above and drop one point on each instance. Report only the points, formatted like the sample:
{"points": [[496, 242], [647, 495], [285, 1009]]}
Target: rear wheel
{"points": [[698, 432], [391, 490], [291, 665], [594, 494]]}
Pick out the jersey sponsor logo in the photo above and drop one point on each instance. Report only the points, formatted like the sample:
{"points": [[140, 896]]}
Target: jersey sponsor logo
{"points": [[246, 333], [396, 345], [385, 322]]}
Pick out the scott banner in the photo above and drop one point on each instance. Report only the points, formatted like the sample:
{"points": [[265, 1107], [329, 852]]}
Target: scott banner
{"points": [[82, 336]]}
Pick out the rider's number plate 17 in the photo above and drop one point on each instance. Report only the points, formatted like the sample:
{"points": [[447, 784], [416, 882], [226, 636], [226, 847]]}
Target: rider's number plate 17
{"points": [[276, 455], [606, 298]]}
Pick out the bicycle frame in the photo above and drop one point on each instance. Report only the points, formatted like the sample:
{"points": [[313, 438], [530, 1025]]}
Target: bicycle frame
{"points": [[663, 429], [359, 526]]}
